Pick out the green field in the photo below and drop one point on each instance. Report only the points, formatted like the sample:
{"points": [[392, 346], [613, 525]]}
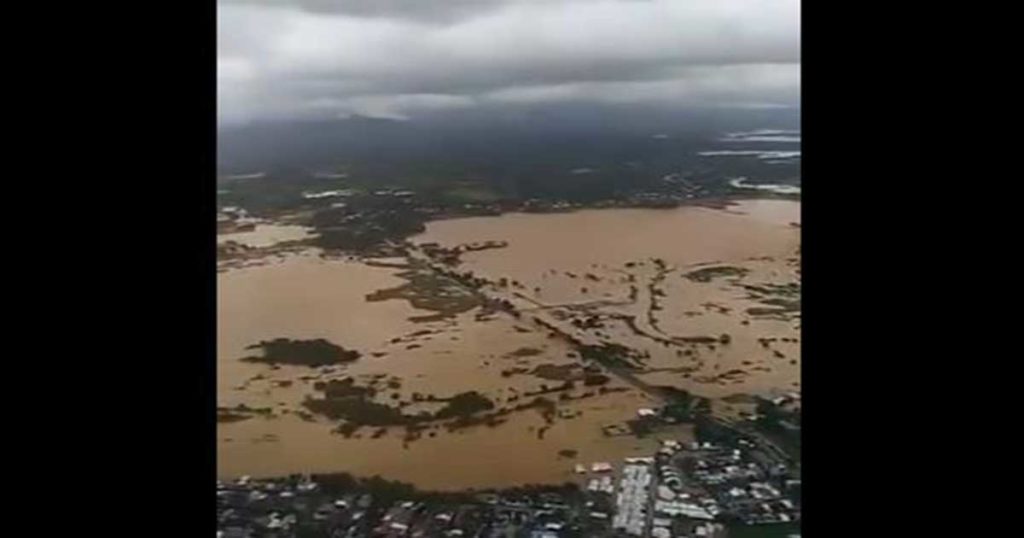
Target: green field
{"points": [[471, 193]]}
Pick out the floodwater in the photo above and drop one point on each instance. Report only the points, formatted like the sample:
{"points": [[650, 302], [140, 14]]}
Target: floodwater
{"points": [[266, 235], [576, 240], [584, 261], [480, 457], [305, 296]]}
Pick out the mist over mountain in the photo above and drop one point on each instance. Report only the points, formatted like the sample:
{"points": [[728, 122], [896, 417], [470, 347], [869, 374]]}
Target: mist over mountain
{"points": [[575, 136]]}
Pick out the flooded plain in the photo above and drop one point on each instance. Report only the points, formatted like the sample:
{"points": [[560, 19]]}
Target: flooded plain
{"points": [[658, 281], [641, 272], [265, 235]]}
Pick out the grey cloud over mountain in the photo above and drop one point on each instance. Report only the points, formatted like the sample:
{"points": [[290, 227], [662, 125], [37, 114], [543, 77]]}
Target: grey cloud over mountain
{"points": [[318, 59]]}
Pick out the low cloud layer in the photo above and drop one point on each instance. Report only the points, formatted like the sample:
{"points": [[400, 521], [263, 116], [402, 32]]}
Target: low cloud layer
{"points": [[282, 59]]}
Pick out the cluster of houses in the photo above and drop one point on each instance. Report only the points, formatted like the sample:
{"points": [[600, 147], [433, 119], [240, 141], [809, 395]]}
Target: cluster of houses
{"points": [[746, 483], [289, 508], [631, 502], [694, 489]]}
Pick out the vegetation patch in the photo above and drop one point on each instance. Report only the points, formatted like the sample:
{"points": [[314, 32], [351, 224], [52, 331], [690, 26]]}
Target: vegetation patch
{"points": [[427, 290], [470, 192], [707, 274], [347, 229], [464, 404], [344, 388], [354, 405], [525, 352], [697, 339], [227, 416], [787, 305], [241, 412], [610, 355], [561, 372], [765, 311], [311, 353]]}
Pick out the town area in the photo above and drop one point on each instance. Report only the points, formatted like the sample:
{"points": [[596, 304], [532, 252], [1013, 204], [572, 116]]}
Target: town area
{"points": [[724, 484]]}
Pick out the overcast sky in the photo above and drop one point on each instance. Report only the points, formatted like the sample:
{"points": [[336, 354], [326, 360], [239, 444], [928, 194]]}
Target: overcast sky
{"points": [[286, 59]]}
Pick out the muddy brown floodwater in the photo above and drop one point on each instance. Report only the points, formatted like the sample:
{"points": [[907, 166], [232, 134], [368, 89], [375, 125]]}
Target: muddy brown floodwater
{"points": [[585, 262], [552, 258], [267, 234]]}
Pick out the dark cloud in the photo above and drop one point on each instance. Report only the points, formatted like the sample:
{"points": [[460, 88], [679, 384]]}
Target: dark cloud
{"points": [[392, 58]]}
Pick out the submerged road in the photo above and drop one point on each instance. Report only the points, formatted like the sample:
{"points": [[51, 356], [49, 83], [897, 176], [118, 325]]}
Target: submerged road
{"points": [[625, 374]]}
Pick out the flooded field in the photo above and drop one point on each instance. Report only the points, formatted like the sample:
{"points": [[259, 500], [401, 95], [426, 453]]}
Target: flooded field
{"points": [[265, 235], [656, 278], [662, 282]]}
